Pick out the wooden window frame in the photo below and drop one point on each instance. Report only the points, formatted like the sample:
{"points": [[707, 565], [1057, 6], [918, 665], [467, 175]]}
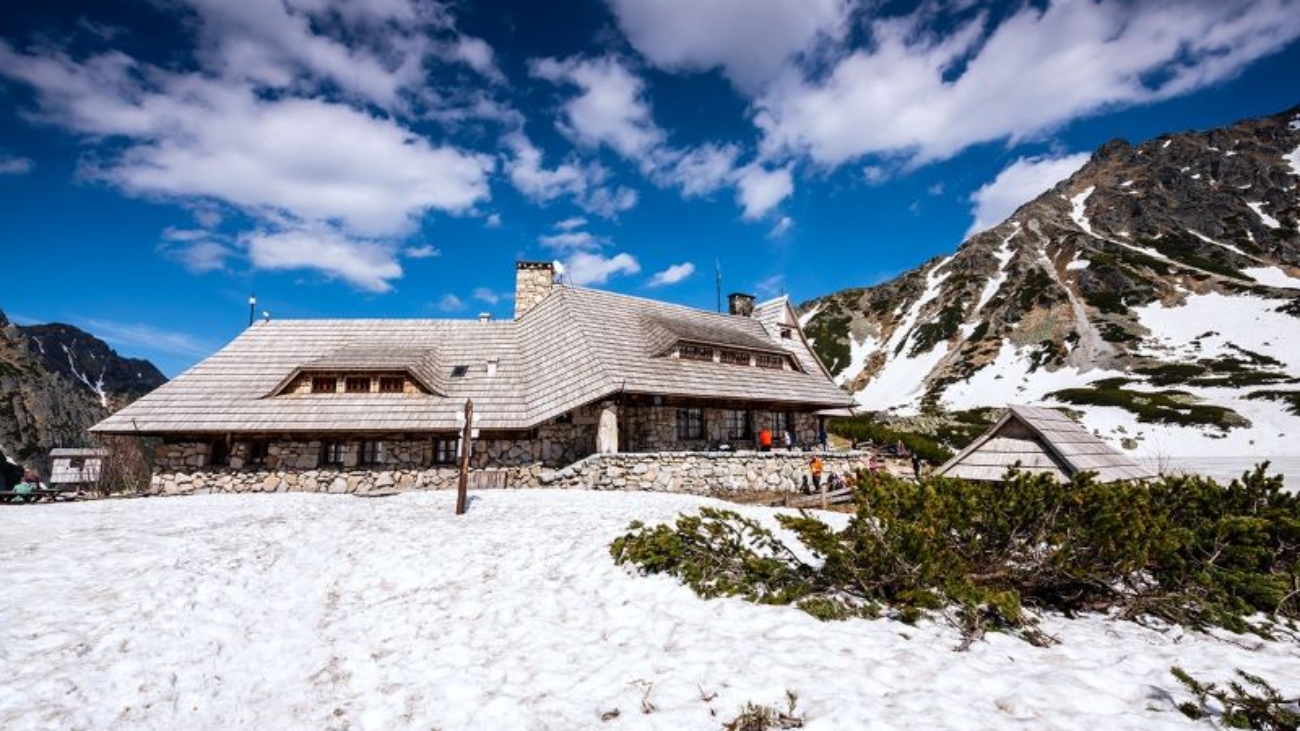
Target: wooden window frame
{"points": [[690, 424], [370, 452], [332, 453], [218, 453], [318, 384], [446, 450], [350, 381], [734, 357], [780, 422], [770, 361], [742, 431], [693, 351], [386, 383]]}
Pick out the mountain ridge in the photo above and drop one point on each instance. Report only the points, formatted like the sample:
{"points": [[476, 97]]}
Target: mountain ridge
{"points": [[1086, 288]]}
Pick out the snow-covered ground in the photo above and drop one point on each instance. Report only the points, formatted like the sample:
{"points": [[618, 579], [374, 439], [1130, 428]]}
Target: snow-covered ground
{"points": [[323, 612]]}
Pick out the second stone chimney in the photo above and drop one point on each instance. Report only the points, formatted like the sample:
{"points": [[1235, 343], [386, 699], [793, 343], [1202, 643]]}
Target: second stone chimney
{"points": [[533, 281], [740, 304]]}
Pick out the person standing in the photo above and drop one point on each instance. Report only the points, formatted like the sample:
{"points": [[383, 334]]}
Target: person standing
{"points": [[765, 440], [815, 467], [916, 465]]}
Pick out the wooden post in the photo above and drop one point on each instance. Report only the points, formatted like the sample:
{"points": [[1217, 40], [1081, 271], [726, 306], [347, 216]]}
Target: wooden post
{"points": [[824, 480], [462, 486]]}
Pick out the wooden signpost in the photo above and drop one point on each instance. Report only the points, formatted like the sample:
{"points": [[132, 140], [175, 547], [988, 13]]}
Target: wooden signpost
{"points": [[462, 485]]}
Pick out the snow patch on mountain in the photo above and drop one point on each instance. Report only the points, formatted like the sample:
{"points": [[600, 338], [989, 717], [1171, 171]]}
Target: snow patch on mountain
{"points": [[1294, 159], [1258, 208], [1012, 379], [1210, 325], [1209, 240], [1003, 254], [1272, 276], [1077, 211]]}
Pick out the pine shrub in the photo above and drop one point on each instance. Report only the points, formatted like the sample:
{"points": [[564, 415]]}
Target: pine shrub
{"points": [[1184, 549]]}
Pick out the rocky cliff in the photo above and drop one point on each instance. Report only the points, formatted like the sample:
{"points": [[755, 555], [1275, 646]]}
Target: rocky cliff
{"points": [[57, 380], [1157, 290]]}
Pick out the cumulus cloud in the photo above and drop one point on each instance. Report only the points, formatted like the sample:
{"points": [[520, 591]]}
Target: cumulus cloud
{"points": [[585, 268], [672, 275], [610, 108], [760, 190], [914, 93], [1017, 184], [450, 303], [570, 241], [583, 183], [15, 165], [370, 265], [571, 223], [298, 167], [483, 294], [425, 251], [749, 39]]}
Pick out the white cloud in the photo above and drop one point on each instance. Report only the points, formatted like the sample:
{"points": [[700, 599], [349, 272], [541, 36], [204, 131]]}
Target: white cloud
{"points": [[15, 165], [358, 181], [760, 190], [782, 227], [370, 265], [421, 252], [704, 169], [770, 286], [749, 39], [493, 220], [483, 294], [913, 94], [1017, 184], [586, 268], [570, 241], [584, 183], [570, 224], [451, 303], [478, 55], [672, 275], [609, 108], [199, 255]]}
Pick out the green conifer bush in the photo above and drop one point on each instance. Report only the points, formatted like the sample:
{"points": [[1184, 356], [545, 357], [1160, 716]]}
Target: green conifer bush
{"points": [[1183, 549]]}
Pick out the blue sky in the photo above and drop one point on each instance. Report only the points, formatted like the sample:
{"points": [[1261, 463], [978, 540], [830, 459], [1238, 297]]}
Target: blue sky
{"points": [[161, 159]]}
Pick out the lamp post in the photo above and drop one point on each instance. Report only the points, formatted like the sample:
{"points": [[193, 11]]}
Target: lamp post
{"points": [[252, 306]]}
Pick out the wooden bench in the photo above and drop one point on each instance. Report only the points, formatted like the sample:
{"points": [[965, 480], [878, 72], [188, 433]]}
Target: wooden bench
{"points": [[488, 480]]}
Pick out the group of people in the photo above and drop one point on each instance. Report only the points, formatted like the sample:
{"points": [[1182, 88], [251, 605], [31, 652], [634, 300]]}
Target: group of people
{"points": [[787, 439], [30, 483]]}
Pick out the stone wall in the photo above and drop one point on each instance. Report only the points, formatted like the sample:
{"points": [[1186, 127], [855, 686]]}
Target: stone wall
{"points": [[697, 473], [700, 473], [654, 428]]}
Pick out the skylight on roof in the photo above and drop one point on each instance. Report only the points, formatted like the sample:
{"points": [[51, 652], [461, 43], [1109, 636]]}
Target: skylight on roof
{"points": [[459, 371]]}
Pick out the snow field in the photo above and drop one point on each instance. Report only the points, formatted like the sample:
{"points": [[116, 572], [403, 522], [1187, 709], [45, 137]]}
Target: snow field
{"points": [[318, 611]]}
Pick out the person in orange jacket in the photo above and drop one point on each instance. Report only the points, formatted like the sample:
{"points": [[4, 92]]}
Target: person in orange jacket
{"points": [[815, 466], [765, 440]]}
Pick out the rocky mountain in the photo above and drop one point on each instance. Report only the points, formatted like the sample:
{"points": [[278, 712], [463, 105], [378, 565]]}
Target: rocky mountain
{"points": [[1156, 291], [56, 380]]}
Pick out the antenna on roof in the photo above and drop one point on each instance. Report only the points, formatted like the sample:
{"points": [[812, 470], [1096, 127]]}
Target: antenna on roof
{"points": [[252, 307], [717, 266]]}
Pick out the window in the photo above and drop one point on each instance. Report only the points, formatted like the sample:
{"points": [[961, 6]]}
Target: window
{"points": [[219, 454], [737, 424], [390, 384], [690, 423], [735, 357], [76, 463], [695, 352], [459, 371], [780, 422], [256, 454], [331, 453], [372, 452], [357, 384], [324, 384], [768, 360], [446, 450], [787, 332]]}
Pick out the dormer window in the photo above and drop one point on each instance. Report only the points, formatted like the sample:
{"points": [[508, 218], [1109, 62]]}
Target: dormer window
{"points": [[787, 332], [696, 352], [735, 357], [357, 384], [324, 384], [390, 384], [459, 371], [767, 360]]}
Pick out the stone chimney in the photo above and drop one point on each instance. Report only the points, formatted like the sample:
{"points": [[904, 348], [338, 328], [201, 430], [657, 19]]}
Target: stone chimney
{"points": [[533, 280], [740, 304]]}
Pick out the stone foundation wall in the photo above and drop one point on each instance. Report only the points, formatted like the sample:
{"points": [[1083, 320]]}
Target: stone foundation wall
{"points": [[697, 473]]}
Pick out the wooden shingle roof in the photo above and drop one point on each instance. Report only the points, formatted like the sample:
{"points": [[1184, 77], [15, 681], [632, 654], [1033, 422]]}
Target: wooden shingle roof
{"points": [[1040, 440], [576, 347]]}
